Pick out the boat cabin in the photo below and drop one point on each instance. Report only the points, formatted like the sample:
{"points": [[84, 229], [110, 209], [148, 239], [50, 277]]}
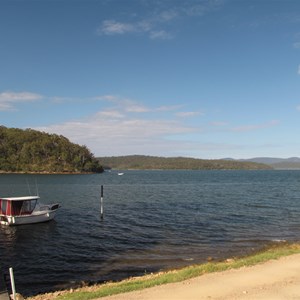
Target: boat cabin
{"points": [[18, 206]]}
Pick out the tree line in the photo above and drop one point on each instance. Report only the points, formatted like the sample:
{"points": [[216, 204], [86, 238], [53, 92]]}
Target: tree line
{"points": [[34, 151], [141, 162]]}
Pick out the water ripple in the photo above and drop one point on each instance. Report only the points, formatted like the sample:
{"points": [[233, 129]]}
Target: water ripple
{"points": [[153, 220]]}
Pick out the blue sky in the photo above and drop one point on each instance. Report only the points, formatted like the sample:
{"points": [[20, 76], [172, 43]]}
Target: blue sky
{"points": [[197, 78]]}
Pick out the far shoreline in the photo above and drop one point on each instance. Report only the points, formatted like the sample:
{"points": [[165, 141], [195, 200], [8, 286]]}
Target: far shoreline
{"points": [[48, 173]]}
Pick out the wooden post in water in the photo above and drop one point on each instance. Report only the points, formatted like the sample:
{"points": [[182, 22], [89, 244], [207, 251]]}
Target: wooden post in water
{"points": [[101, 203], [12, 281]]}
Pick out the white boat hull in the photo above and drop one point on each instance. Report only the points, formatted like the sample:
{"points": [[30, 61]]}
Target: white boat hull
{"points": [[30, 219]]}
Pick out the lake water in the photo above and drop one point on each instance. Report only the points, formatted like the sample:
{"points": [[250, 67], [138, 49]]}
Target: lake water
{"points": [[153, 220]]}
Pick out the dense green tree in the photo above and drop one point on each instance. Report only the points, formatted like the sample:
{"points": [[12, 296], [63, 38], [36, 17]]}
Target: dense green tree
{"points": [[34, 151]]}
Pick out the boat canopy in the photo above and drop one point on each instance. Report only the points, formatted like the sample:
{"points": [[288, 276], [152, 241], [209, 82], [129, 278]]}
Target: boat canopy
{"points": [[17, 206]]}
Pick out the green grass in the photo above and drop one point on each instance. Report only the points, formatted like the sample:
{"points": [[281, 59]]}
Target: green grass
{"points": [[140, 283]]}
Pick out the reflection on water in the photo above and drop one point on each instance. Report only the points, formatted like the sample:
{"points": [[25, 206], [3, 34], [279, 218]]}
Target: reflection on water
{"points": [[9, 234], [153, 220]]}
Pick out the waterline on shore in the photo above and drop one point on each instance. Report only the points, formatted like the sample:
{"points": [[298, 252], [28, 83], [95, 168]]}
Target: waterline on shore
{"points": [[274, 251]]}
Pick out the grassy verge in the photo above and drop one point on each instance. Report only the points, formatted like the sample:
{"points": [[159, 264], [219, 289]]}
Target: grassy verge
{"points": [[147, 281]]}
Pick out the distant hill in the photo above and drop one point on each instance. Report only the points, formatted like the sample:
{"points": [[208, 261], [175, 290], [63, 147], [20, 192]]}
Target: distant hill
{"points": [[276, 163], [34, 151], [263, 160], [141, 162], [286, 165]]}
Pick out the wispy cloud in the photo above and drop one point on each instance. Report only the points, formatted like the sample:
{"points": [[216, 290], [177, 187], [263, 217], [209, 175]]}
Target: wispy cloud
{"points": [[297, 45], [188, 114], [124, 104], [168, 15], [111, 27], [158, 23], [9, 99], [219, 124], [110, 114], [200, 8], [169, 107], [161, 34], [126, 126], [253, 127], [113, 133]]}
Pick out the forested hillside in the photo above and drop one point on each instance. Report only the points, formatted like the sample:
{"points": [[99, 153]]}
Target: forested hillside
{"points": [[34, 151], [139, 162]]}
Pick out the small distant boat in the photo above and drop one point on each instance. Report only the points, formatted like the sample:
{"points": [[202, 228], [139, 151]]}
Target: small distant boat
{"points": [[120, 174], [25, 210]]}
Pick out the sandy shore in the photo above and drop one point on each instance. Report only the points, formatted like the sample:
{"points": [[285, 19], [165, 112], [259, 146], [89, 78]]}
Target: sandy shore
{"points": [[276, 279]]}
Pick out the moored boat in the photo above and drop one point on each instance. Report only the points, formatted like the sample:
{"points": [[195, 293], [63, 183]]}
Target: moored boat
{"points": [[25, 210]]}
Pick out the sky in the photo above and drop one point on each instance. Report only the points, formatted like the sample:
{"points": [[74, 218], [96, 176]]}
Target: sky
{"points": [[207, 79]]}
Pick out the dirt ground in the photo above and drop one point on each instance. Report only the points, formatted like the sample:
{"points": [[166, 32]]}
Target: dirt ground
{"points": [[276, 279]]}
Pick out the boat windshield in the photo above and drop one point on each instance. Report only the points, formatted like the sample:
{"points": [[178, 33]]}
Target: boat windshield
{"points": [[23, 207]]}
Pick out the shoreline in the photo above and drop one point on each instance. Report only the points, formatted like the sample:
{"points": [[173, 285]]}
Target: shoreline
{"points": [[275, 279], [48, 173], [136, 286]]}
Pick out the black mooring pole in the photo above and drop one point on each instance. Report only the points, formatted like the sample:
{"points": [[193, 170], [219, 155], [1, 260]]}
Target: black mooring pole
{"points": [[101, 203]]}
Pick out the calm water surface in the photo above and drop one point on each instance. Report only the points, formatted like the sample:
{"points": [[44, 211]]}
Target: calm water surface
{"points": [[153, 220]]}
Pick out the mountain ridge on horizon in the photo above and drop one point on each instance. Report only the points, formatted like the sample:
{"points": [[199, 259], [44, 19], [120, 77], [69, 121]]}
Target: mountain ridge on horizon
{"points": [[266, 159], [275, 162]]}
